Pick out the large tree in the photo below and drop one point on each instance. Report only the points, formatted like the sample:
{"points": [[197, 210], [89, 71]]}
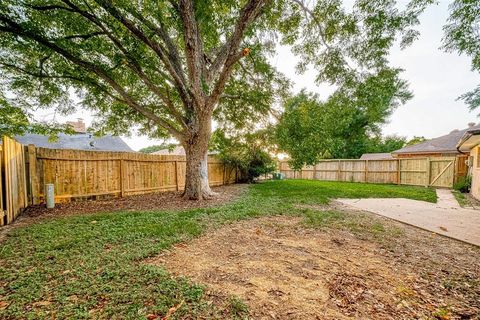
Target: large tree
{"points": [[170, 67], [342, 126]]}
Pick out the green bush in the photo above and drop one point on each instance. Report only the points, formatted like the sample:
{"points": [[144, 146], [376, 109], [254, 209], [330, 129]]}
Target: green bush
{"points": [[463, 184], [250, 161], [245, 153]]}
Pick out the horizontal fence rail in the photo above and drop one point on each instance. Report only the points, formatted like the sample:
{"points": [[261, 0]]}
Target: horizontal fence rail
{"points": [[436, 172]]}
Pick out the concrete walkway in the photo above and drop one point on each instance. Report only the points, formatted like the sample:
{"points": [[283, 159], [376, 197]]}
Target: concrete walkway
{"points": [[445, 217]]}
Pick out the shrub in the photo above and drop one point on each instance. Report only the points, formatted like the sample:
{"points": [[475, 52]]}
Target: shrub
{"points": [[251, 162], [245, 153], [463, 184]]}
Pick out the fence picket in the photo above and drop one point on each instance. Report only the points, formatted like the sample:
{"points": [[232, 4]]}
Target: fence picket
{"points": [[114, 173], [15, 187]]}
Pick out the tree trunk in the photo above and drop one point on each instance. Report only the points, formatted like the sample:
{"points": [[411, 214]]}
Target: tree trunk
{"points": [[196, 175]]}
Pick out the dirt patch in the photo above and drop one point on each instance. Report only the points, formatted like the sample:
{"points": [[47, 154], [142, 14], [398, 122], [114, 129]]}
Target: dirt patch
{"points": [[283, 270]]}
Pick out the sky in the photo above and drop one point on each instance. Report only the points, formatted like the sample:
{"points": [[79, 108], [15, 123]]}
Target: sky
{"points": [[436, 78]]}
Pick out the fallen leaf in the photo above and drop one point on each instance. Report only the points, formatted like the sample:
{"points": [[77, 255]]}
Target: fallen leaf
{"points": [[172, 310], [4, 305]]}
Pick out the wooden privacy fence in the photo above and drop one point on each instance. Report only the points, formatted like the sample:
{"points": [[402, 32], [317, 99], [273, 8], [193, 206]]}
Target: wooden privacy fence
{"points": [[13, 184], [81, 174], [78, 174], [436, 172]]}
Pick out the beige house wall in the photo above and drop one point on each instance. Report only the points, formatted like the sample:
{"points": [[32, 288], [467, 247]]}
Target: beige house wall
{"points": [[475, 190]]}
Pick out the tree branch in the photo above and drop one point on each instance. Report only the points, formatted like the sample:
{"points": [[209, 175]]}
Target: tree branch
{"points": [[231, 55], [135, 67], [48, 7], [319, 27], [41, 75], [15, 28], [161, 31], [83, 36], [177, 75], [193, 48]]}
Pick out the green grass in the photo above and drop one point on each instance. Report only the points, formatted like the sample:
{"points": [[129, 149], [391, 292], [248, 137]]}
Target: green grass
{"points": [[313, 191], [92, 266], [461, 198]]}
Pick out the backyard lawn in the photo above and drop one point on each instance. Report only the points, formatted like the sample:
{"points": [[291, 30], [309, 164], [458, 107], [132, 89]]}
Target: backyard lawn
{"points": [[139, 264]]}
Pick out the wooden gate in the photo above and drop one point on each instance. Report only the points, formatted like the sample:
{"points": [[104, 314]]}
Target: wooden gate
{"points": [[441, 172], [13, 180]]}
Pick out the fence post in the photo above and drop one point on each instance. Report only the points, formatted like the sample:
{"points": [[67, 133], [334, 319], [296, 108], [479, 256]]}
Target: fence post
{"points": [[314, 171], [366, 170], [338, 170], [122, 178], [455, 170], [176, 175], [399, 172], [8, 199], [428, 173], [224, 168], [32, 174]]}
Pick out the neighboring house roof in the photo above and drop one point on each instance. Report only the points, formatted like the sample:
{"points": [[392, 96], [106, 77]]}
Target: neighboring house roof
{"points": [[376, 156], [177, 151], [79, 141], [444, 144]]}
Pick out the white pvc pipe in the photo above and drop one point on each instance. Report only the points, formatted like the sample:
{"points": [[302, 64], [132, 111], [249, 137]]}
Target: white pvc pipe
{"points": [[50, 195]]}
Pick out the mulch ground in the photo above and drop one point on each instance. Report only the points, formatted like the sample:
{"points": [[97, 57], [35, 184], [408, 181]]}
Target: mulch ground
{"points": [[146, 202]]}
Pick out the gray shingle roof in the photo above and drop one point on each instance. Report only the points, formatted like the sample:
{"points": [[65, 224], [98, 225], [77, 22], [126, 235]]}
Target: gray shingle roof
{"points": [[376, 156], [443, 144], [79, 141]]}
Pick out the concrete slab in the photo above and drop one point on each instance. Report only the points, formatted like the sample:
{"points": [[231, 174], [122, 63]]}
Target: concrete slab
{"points": [[445, 217]]}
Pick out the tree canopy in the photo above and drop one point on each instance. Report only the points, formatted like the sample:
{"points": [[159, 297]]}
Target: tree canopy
{"points": [[247, 152], [386, 144], [462, 34], [341, 126], [16, 121], [169, 67], [415, 140], [133, 63], [158, 147]]}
